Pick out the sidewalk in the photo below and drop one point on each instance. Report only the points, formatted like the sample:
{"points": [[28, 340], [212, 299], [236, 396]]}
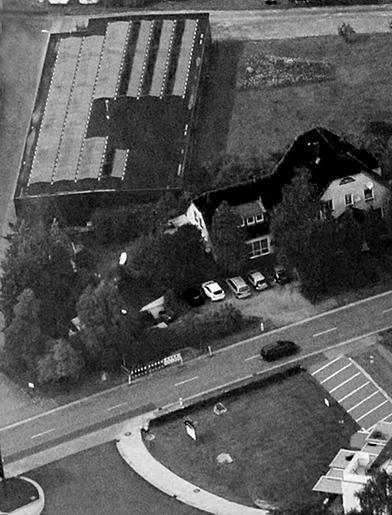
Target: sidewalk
{"points": [[132, 449]]}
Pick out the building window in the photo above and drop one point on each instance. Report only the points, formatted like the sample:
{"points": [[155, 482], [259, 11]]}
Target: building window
{"points": [[327, 206], [348, 199], [258, 248], [250, 220], [242, 224], [368, 193], [259, 218]]}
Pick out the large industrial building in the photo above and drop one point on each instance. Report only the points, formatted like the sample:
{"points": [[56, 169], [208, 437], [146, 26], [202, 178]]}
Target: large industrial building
{"points": [[114, 112]]}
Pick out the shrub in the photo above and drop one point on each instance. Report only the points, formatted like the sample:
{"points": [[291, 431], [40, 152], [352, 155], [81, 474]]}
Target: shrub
{"points": [[346, 31]]}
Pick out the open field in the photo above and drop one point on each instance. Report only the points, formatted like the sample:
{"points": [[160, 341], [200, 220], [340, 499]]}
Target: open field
{"points": [[280, 436], [266, 119]]}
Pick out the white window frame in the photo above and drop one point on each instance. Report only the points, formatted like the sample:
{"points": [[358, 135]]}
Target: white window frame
{"points": [[242, 224], [325, 207], [250, 220], [364, 194], [259, 251], [259, 218], [351, 203]]}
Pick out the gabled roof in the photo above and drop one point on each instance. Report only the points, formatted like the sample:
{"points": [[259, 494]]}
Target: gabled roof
{"points": [[326, 155]]}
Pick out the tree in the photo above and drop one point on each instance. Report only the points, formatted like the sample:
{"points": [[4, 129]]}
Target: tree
{"points": [[293, 218], [228, 239], [346, 31], [61, 363], [376, 496], [23, 339], [374, 228], [108, 329]]}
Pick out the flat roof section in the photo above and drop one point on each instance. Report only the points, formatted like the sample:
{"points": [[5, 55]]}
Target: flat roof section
{"points": [[185, 58], [112, 57], [163, 58], [78, 110], [55, 110]]}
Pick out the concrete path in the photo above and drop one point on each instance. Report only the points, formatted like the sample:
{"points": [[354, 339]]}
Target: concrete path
{"points": [[134, 452]]}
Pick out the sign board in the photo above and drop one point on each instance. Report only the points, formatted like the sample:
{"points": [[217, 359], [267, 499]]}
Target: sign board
{"points": [[174, 358], [190, 429]]}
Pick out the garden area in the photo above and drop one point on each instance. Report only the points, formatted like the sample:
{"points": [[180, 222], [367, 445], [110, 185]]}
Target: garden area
{"points": [[295, 84], [269, 447]]}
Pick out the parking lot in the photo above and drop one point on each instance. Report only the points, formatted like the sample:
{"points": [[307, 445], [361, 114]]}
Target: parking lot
{"points": [[354, 390]]}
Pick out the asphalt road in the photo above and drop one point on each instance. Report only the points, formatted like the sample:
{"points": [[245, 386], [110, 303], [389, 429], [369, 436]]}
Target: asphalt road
{"points": [[164, 388]]}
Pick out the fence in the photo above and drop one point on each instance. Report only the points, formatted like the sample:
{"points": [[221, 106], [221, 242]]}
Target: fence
{"points": [[134, 373]]}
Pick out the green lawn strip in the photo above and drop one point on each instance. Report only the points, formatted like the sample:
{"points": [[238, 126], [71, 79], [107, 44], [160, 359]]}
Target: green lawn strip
{"points": [[267, 119], [15, 493], [281, 437]]}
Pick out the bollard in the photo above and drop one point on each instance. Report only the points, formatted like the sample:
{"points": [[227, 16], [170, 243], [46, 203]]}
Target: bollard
{"points": [[210, 353]]}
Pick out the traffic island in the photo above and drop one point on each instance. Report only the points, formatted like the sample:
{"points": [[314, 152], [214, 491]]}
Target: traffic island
{"points": [[21, 496]]}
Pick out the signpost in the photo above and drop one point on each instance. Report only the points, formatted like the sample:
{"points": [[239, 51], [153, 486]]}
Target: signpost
{"points": [[190, 429]]}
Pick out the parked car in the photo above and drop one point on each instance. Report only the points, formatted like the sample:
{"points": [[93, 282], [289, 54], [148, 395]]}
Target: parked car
{"points": [[278, 349], [280, 275], [239, 287], [213, 290], [193, 296], [257, 280]]}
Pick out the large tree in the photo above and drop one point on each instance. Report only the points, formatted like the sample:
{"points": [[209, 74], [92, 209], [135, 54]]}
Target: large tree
{"points": [[228, 239], [23, 339], [376, 496], [60, 363], [293, 218]]}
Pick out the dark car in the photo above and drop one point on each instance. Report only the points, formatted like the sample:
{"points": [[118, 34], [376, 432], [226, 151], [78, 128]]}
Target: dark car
{"points": [[280, 275], [278, 349], [194, 296]]}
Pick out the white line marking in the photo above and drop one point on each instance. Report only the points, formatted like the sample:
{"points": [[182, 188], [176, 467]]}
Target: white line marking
{"points": [[364, 400], [335, 373], [43, 433], [386, 310], [344, 382], [363, 416], [186, 381], [325, 332], [385, 418], [252, 357], [354, 391], [325, 366], [116, 406]]}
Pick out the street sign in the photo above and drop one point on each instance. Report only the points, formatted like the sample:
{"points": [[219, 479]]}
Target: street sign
{"points": [[190, 429]]}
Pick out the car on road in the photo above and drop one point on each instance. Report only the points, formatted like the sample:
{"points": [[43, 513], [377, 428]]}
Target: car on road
{"points": [[257, 280], [193, 296], [239, 287], [278, 349], [213, 291]]}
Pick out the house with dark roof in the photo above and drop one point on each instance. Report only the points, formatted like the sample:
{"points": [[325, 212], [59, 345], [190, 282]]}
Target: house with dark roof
{"points": [[114, 113], [344, 177]]}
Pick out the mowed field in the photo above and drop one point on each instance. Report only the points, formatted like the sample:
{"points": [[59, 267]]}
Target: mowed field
{"points": [[267, 119], [281, 438]]}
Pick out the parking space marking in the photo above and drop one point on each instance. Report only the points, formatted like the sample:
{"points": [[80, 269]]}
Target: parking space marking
{"points": [[116, 406], [186, 381], [335, 373], [364, 400], [325, 332], [43, 433], [386, 310], [354, 391], [344, 382], [370, 411], [252, 357], [385, 418], [326, 365]]}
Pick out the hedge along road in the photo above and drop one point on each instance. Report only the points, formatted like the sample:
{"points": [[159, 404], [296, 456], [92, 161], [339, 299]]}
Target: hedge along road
{"points": [[335, 328]]}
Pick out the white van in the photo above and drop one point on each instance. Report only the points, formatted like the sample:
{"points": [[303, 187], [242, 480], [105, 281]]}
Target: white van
{"points": [[239, 287]]}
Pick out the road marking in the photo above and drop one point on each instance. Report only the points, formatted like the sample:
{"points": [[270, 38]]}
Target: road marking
{"points": [[386, 310], [186, 381], [344, 382], [370, 411], [325, 366], [116, 406], [325, 332], [364, 400], [335, 373], [252, 357], [43, 433], [385, 418], [354, 391]]}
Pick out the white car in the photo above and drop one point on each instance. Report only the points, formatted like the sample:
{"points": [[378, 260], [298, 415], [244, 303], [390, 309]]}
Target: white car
{"points": [[213, 290], [257, 280]]}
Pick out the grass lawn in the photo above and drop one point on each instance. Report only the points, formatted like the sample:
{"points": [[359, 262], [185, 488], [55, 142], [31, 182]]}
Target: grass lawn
{"points": [[280, 436], [15, 493], [266, 119]]}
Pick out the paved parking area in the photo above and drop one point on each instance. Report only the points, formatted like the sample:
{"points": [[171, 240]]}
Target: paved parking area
{"points": [[354, 390]]}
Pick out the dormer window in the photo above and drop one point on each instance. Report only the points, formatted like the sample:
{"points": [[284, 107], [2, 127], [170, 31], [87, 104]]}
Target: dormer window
{"points": [[259, 218], [250, 220], [368, 194], [348, 199], [327, 206], [242, 224]]}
